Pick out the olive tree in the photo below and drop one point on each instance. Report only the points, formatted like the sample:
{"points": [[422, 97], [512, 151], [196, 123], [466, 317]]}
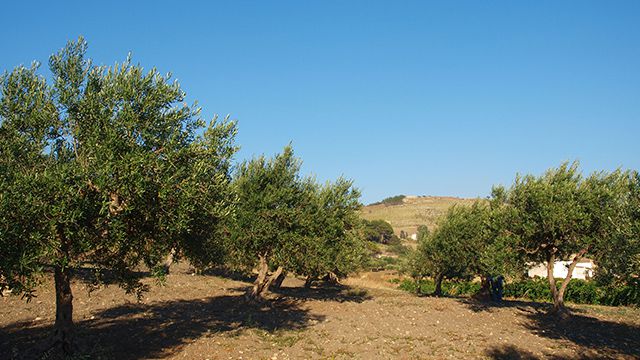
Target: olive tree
{"points": [[451, 250], [105, 168], [378, 231], [270, 203], [615, 202], [330, 245], [563, 216], [422, 233]]}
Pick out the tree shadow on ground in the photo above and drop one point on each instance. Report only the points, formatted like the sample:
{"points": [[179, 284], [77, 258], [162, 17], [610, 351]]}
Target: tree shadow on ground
{"points": [[525, 306], [589, 332], [158, 330], [325, 292], [88, 276], [512, 352], [509, 352], [606, 337]]}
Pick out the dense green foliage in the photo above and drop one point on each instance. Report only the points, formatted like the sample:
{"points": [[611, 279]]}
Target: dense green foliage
{"points": [[453, 249], [449, 288], [379, 263], [379, 231], [391, 200], [557, 216], [619, 256], [562, 215], [288, 223], [271, 200], [578, 291], [103, 167], [331, 242], [106, 167], [423, 233]]}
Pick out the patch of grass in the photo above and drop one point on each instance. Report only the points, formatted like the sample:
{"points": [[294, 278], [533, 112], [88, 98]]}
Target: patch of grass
{"points": [[356, 293], [384, 263], [280, 338]]}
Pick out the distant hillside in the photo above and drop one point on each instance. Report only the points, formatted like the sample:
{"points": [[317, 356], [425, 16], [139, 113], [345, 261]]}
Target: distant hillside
{"points": [[412, 211]]}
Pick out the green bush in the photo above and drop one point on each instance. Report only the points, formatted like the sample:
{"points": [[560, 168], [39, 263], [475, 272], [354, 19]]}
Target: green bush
{"points": [[463, 288], [391, 200], [578, 291], [628, 294], [399, 249], [533, 289], [384, 263], [379, 231], [452, 288]]}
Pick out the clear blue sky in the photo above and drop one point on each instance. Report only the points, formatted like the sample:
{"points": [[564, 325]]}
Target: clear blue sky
{"points": [[404, 97]]}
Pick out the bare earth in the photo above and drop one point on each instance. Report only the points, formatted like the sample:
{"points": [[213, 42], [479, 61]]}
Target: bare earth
{"points": [[205, 317]]}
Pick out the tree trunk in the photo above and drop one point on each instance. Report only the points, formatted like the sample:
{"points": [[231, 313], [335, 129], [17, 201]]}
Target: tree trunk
{"points": [[438, 280], [558, 301], [565, 282], [484, 294], [418, 281], [264, 280], [308, 282], [168, 261], [260, 282], [274, 277], [63, 327], [277, 283], [331, 278]]}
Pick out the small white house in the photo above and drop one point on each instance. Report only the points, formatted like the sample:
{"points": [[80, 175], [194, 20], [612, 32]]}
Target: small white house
{"points": [[583, 270], [414, 236]]}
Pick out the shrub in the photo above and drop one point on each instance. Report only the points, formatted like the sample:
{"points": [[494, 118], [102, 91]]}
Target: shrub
{"points": [[391, 200], [578, 291], [399, 249], [452, 288], [379, 231], [384, 263]]}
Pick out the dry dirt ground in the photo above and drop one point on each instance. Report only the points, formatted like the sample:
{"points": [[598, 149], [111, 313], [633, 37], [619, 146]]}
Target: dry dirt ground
{"points": [[205, 317]]}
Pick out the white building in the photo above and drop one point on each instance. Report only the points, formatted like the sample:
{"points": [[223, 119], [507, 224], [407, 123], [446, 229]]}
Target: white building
{"points": [[583, 270]]}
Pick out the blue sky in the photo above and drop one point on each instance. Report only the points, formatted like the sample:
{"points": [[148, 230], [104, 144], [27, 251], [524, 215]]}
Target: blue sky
{"points": [[404, 97]]}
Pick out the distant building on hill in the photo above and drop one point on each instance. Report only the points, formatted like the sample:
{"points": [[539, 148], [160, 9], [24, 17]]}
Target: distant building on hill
{"points": [[584, 269]]}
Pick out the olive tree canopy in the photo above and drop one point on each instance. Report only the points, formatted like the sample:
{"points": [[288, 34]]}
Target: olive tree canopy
{"points": [[105, 168]]}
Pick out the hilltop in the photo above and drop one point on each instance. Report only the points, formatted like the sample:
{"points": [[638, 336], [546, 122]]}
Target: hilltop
{"points": [[408, 212]]}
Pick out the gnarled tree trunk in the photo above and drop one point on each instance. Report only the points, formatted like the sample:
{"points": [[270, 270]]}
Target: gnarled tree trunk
{"points": [[309, 281], [277, 282], [484, 294], [331, 278], [438, 281], [264, 280], [261, 281], [558, 294], [63, 328]]}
